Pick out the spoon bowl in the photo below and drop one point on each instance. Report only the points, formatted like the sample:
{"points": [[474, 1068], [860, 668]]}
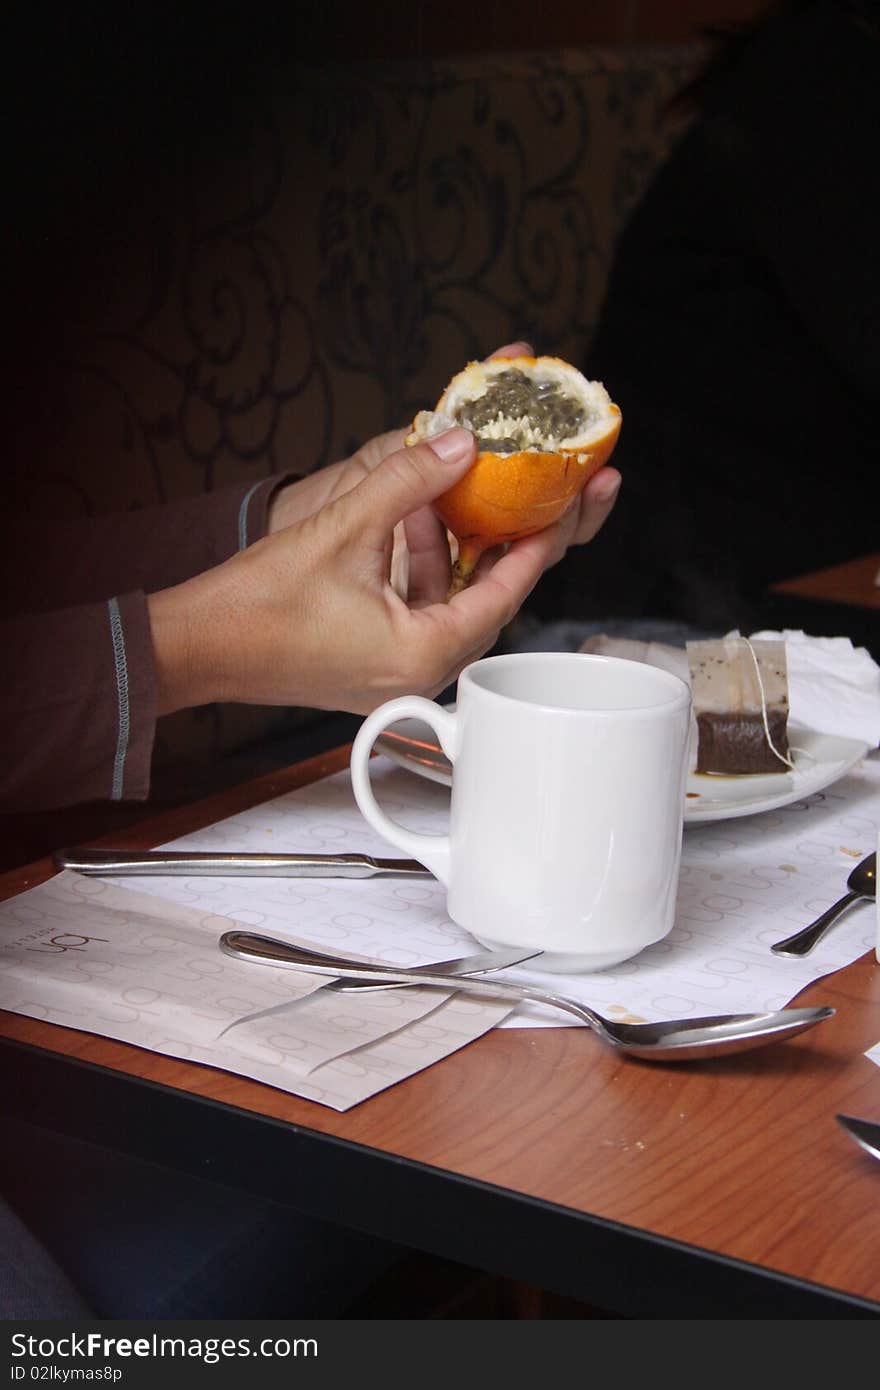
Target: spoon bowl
{"points": [[862, 883], [673, 1040], [698, 1039]]}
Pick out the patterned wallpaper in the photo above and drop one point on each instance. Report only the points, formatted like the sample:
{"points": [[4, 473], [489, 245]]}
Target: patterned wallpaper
{"points": [[296, 271]]}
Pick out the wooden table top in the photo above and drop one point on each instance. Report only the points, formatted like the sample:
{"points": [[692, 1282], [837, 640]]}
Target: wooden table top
{"points": [[737, 1161], [852, 584]]}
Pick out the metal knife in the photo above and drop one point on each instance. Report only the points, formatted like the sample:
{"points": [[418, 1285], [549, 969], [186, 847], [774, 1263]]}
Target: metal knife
{"points": [[167, 861], [865, 1132]]}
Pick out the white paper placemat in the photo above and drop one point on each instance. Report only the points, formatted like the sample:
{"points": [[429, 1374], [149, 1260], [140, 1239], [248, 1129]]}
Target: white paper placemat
{"points": [[86, 954], [744, 884], [150, 973]]}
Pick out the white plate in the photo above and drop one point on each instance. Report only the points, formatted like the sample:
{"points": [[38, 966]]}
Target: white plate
{"points": [[819, 760]]}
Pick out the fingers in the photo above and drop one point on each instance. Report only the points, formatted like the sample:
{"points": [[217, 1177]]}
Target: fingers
{"points": [[430, 566], [497, 592], [596, 504], [407, 481], [587, 514], [519, 349], [503, 579], [472, 619], [398, 574], [375, 450]]}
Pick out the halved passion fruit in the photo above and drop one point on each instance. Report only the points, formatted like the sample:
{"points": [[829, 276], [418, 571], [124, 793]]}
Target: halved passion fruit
{"points": [[542, 430]]}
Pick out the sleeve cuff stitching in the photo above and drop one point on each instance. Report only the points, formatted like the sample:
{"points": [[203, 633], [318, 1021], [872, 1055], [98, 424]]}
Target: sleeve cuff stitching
{"points": [[117, 636], [243, 515]]}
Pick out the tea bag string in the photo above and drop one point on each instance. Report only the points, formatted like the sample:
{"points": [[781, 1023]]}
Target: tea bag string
{"points": [[781, 756]]}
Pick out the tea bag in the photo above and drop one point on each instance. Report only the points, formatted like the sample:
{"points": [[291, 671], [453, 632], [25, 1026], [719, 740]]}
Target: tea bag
{"points": [[740, 702]]}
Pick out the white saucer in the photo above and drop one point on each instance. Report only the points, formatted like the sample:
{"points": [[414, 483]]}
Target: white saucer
{"points": [[819, 760]]}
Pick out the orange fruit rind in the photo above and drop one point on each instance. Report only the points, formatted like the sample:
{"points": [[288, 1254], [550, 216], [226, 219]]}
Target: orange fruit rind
{"points": [[542, 431]]}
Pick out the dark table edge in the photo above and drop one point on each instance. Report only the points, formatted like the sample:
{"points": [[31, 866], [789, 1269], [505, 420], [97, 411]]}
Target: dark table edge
{"points": [[608, 1265]]}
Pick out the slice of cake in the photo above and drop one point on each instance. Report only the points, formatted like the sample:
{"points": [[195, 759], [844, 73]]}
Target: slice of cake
{"points": [[740, 703]]}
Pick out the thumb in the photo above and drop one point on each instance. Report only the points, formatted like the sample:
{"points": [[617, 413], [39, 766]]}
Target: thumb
{"points": [[411, 478]]}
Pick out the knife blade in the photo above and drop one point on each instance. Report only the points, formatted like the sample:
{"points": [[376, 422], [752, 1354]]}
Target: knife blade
{"points": [[193, 863], [865, 1132]]}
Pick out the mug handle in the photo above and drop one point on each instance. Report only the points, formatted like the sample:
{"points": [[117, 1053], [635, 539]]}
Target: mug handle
{"points": [[430, 850]]}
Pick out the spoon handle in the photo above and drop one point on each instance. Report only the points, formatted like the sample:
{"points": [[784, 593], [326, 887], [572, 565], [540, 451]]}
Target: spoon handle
{"points": [[465, 984], [803, 941]]}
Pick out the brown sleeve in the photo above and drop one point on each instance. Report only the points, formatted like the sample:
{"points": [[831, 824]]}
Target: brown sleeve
{"points": [[57, 564], [77, 706]]}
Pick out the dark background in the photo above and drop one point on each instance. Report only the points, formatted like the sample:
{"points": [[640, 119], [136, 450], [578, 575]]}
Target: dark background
{"points": [[112, 117]]}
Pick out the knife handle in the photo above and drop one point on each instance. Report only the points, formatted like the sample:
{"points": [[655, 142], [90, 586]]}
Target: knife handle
{"points": [[171, 862]]}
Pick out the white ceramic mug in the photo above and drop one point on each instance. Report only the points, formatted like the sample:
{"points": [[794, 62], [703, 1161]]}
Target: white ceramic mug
{"points": [[567, 803]]}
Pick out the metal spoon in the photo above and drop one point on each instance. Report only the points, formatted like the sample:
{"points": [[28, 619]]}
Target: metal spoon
{"points": [[269, 950], [674, 1040], [862, 883], [865, 1132]]}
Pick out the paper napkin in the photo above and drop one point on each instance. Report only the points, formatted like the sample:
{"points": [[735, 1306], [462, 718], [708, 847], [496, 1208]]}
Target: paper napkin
{"points": [[833, 686]]}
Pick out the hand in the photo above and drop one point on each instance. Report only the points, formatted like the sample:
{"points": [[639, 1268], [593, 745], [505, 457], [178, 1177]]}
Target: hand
{"points": [[308, 495], [308, 616], [295, 501]]}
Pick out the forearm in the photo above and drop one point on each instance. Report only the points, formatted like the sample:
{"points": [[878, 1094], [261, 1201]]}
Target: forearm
{"points": [[224, 635], [190, 627]]}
